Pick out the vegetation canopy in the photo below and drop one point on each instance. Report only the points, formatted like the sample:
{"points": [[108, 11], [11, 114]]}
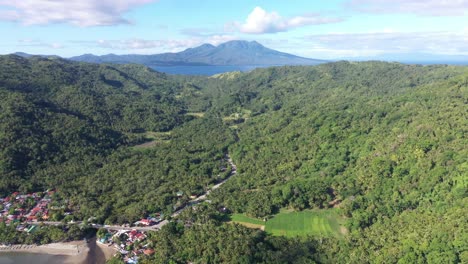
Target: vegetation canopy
{"points": [[378, 147]]}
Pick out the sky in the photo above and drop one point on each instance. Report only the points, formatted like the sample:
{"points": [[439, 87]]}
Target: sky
{"points": [[311, 28]]}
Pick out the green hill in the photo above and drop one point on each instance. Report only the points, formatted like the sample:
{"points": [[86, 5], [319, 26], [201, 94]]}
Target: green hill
{"points": [[383, 142]]}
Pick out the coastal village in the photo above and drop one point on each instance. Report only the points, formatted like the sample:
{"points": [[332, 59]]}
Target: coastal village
{"points": [[129, 244], [30, 211]]}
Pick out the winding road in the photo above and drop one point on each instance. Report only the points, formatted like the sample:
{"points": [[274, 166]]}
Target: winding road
{"points": [[158, 226], [203, 197]]}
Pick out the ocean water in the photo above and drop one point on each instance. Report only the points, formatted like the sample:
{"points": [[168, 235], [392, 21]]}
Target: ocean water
{"points": [[205, 70], [30, 258], [211, 70]]}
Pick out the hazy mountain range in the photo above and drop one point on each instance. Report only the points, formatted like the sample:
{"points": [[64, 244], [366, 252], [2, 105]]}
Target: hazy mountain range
{"points": [[235, 52], [240, 52], [417, 58]]}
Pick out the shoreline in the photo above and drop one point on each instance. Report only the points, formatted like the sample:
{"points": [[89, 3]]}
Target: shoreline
{"points": [[74, 252], [72, 248]]}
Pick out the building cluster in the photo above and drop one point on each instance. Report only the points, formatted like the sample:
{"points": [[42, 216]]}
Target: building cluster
{"points": [[150, 220], [130, 244], [25, 207]]}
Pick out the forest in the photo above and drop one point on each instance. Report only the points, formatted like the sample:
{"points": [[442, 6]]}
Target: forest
{"points": [[383, 142]]}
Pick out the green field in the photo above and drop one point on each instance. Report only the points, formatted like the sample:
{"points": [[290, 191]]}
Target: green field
{"points": [[322, 223]]}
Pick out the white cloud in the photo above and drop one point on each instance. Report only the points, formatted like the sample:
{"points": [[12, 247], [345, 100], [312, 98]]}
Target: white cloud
{"points": [[418, 7], [379, 43], [260, 21], [82, 13]]}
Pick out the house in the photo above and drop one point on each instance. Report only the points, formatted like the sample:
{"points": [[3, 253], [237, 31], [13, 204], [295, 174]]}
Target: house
{"points": [[145, 222], [180, 193], [105, 238], [19, 212], [11, 217], [133, 260], [135, 235], [148, 251]]}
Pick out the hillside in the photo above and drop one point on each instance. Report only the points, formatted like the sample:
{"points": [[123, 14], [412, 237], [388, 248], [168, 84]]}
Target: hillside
{"points": [[53, 111], [229, 53], [383, 144]]}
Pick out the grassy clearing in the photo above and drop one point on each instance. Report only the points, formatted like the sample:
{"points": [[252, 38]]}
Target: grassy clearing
{"points": [[323, 223], [236, 118], [153, 139], [226, 75], [196, 114], [245, 219]]}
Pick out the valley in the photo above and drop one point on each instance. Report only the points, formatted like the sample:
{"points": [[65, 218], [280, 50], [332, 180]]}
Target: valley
{"points": [[342, 159]]}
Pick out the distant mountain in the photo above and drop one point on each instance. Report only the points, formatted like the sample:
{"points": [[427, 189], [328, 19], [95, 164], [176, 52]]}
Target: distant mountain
{"points": [[417, 58], [23, 54], [27, 55], [234, 52]]}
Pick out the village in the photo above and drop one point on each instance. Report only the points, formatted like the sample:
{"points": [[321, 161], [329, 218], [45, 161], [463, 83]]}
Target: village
{"points": [[30, 211], [129, 244]]}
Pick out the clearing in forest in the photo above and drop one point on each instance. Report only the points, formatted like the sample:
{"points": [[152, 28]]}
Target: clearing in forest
{"points": [[248, 221], [323, 223], [196, 114], [154, 138]]}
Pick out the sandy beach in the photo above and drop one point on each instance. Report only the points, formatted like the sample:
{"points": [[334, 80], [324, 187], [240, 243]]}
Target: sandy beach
{"points": [[98, 253], [75, 252]]}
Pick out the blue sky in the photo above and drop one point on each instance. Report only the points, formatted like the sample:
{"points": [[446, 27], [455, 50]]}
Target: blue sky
{"points": [[319, 29]]}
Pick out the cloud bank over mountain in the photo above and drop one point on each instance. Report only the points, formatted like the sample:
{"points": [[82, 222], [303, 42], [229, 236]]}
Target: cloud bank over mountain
{"points": [[260, 21]]}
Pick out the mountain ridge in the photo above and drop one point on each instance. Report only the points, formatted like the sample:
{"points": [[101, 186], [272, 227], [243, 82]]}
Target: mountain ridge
{"points": [[235, 52]]}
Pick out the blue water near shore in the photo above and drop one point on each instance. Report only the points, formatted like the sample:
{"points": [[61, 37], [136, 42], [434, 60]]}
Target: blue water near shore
{"points": [[205, 70]]}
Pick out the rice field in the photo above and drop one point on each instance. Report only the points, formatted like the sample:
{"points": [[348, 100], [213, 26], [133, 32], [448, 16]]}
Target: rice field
{"points": [[322, 223], [319, 223]]}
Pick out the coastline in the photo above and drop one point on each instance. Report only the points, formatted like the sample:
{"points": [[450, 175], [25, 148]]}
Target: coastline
{"points": [[72, 248], [74, 252]]}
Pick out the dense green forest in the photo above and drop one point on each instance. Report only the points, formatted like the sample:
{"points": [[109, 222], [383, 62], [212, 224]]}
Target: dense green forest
{"points": [[384, 142]]}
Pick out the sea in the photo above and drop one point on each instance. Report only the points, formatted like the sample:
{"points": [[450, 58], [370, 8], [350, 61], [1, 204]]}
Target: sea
{"points": [[205, 70], [29, 258], [212, 70]]}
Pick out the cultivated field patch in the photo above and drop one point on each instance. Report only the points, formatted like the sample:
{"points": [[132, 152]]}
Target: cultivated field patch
{"points": [[323, 223]]}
